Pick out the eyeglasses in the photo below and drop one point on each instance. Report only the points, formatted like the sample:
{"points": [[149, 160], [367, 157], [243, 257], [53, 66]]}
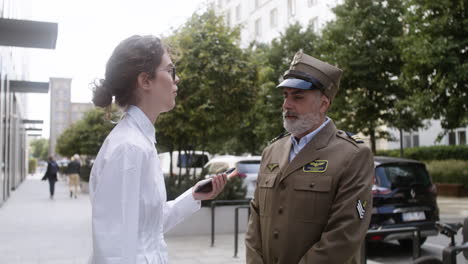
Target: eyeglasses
{"points": [[172, 71]]}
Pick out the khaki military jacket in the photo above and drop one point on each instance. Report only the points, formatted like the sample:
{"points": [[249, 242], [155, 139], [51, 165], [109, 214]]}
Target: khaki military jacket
{"points": [[314, 209]]}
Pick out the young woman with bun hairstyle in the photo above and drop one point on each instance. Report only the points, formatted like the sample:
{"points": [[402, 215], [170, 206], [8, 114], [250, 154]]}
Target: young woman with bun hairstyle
{"points": [[130, 213]]}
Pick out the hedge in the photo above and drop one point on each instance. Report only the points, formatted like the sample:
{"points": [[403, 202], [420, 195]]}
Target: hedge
{"points": [[448, 171], [430, 153]]}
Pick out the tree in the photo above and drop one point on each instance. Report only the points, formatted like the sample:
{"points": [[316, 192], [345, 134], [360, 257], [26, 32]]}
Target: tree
{"points": [[363, 42], [86, 136], [435, 53], [216, 91], [39, 148], [273, 60]]}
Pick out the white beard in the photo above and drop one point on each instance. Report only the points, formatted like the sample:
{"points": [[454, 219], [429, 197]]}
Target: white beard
{"points": [[302, 124]]}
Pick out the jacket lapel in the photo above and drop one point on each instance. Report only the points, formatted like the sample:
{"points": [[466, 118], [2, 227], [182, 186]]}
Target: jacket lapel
{"points": [[310, 152]]}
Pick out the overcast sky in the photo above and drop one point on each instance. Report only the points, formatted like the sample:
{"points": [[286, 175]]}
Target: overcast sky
{"points": [[89, 30]]}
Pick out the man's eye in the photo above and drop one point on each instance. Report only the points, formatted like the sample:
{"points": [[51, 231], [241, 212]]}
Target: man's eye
{"points": [[298, 97]]}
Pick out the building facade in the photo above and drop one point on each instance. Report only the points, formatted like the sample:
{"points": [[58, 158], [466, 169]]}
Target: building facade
{"points": [[264, 20], [63, 112], [16, 34]]}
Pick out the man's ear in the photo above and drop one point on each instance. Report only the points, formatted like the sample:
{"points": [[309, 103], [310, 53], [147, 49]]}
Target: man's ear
{"points": [[143, 81], [325, 103]]}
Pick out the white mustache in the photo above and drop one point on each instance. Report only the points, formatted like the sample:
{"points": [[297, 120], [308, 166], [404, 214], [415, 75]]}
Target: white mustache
{"points": [[290, 114]]}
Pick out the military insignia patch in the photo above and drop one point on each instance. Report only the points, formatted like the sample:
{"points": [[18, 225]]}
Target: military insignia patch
{"points": [[355, 138], [316, 166], [361, 208], [272, 166]]}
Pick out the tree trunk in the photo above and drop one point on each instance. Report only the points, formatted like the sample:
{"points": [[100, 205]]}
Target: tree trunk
{"points": [[372, 140], [401, 142]]}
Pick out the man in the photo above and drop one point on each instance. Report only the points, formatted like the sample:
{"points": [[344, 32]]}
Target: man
{"points": [[313, 198]]}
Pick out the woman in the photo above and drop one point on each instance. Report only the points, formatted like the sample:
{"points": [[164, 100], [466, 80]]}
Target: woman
{"points": [[129, 209], [51, 175]]}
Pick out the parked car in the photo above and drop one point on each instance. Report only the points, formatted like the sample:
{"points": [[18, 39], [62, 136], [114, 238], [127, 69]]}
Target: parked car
{"points": [[247, 167], [403, 196], [191, 161]]}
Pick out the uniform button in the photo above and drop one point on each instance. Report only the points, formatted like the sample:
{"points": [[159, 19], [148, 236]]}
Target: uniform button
{"points": [[275, 234], [312, 185], [280, 210], [266, 181], [283, 186], [340, 132]]}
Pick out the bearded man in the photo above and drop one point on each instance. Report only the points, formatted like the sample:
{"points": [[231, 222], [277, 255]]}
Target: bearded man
{"points": [[313, 200]]}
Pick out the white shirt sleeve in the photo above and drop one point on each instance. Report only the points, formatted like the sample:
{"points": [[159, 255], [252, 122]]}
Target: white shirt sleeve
{"points": [[177, 210], [115, 209]]}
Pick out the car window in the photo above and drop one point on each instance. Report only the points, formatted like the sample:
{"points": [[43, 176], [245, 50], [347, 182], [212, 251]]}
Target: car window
{"points": [[191, 161], [401, 175], [217, 167], [249, 166]]}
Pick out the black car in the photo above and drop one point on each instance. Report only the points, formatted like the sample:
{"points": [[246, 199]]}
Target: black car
{"points": [[403, 196]]}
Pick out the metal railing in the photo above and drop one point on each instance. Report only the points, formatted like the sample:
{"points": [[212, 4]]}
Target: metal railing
{"points": [[216, 203], [415, 236], [236, 226]]}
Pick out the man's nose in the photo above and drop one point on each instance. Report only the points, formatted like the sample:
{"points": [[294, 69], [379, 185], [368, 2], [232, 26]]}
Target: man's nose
{"points": [[287, 105]]}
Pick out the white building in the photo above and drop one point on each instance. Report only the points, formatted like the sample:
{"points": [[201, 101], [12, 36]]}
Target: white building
{"points": [[264, 20]]}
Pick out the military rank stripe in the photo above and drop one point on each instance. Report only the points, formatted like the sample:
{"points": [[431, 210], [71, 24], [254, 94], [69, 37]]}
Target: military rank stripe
{"points": [[360, 209]]}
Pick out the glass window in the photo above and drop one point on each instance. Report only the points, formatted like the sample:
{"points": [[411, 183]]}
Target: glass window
{"points": [[415, 140], [407, 141], [461, 137], [291, 8], [402, 175], [274, 18], [228, 18], [191, 161], [452, 138], [257, 3], [314, 24], [238, 12], [258, 27], [312, 3]]}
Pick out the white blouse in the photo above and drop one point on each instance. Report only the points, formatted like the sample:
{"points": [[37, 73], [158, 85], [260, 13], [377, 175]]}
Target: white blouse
{"points": [[130, 213]]}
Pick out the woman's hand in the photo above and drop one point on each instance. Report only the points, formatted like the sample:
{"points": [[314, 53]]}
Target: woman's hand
{"points": [[218, 181]]}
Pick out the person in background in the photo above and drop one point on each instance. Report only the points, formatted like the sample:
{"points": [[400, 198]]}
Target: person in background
{"points": [[51, 175], [130, 213], [73, 172]]}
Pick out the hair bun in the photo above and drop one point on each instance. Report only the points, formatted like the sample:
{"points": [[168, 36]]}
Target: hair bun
{"points": [[102, 97]]}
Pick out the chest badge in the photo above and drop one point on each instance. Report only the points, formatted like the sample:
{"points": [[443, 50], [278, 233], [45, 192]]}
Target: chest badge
{"points": [[316, 166], [272, 166]]}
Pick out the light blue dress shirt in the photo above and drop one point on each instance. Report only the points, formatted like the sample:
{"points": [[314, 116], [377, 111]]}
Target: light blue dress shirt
{"points": [[298, 146]]}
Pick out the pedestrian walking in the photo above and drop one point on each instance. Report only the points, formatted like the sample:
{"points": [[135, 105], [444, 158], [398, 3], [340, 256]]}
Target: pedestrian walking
{"points": [[73, 173], [130, 213], [51, 175], [313, 200]]}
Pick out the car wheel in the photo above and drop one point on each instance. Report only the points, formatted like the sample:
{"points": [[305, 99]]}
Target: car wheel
{"points": [[408, 243]]}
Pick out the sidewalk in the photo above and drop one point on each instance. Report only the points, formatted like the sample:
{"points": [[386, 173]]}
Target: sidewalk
{"points": [[35, 229]]}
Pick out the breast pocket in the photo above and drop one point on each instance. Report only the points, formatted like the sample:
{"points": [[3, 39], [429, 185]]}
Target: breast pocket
{"points": [[265, 192], [312, 197]]}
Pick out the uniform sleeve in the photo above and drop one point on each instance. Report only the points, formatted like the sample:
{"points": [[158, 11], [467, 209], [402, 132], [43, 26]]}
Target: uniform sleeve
{"points": [[346, 230], [115, 209], [253, 237], [177, 210]]}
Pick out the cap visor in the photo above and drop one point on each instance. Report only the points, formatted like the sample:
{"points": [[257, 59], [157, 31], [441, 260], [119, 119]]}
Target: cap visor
{"points": [[296, 83]]}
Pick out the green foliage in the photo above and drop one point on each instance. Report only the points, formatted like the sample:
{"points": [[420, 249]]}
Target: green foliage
{"points": [[449, 171], [39, 148], [86, 136], [430, 153], [32, 166], [216, 92], [363, 42], [435, 55]]}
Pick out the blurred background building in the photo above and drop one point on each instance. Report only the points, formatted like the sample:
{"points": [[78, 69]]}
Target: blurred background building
{"points": [[63, 112], [16, 35]]}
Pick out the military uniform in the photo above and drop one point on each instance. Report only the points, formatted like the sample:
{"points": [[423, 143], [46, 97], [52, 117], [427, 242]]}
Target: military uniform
{"points": [[315, 208]]}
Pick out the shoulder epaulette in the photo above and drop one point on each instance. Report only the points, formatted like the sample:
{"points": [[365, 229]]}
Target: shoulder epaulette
{"points": [[354, 137], [280, 136]]}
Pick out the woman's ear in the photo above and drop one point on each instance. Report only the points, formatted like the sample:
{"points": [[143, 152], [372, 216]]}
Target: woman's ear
{"points": [[143, 81]]}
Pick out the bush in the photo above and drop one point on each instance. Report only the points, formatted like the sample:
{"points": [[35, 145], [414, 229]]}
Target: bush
{"points": [[448, 171], [430, 153], [32, 166]]}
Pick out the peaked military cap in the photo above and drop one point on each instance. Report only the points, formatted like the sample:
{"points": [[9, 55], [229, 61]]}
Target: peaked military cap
{"points": [[307, 73]]}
